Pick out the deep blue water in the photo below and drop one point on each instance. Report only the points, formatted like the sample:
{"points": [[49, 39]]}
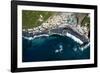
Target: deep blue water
{"points": [[52, 48]]}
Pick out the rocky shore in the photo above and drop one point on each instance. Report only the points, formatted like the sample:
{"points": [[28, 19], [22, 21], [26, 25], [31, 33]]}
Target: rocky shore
{"points": [[59, 23]]}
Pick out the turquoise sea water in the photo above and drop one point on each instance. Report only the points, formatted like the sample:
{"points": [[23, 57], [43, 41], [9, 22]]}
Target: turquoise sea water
{"points": [[51, 48]]}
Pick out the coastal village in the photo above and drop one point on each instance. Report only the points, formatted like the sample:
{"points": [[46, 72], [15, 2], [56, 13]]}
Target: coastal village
{"points": [[76, 21], [55, 35]]}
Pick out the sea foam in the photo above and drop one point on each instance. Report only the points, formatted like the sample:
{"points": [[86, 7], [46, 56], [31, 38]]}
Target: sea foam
{"points": [[74, 38]]}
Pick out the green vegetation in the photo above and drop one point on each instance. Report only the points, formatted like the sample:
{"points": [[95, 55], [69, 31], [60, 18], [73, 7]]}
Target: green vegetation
{"points": [[30, 19], [85, 21]]}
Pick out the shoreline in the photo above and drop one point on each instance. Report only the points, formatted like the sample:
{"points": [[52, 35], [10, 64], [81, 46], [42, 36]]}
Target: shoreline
{"points": [[58, 24]]}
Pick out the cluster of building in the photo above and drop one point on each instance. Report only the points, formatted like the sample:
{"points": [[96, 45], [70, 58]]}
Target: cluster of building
{"points": [[60, 20]]}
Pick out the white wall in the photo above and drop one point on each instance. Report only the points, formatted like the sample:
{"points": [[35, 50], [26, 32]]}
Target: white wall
{"points": [[5, 36]]}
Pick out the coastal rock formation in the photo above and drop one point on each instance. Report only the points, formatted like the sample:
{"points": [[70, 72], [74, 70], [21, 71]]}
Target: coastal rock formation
{"points": [[59, 23]]}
